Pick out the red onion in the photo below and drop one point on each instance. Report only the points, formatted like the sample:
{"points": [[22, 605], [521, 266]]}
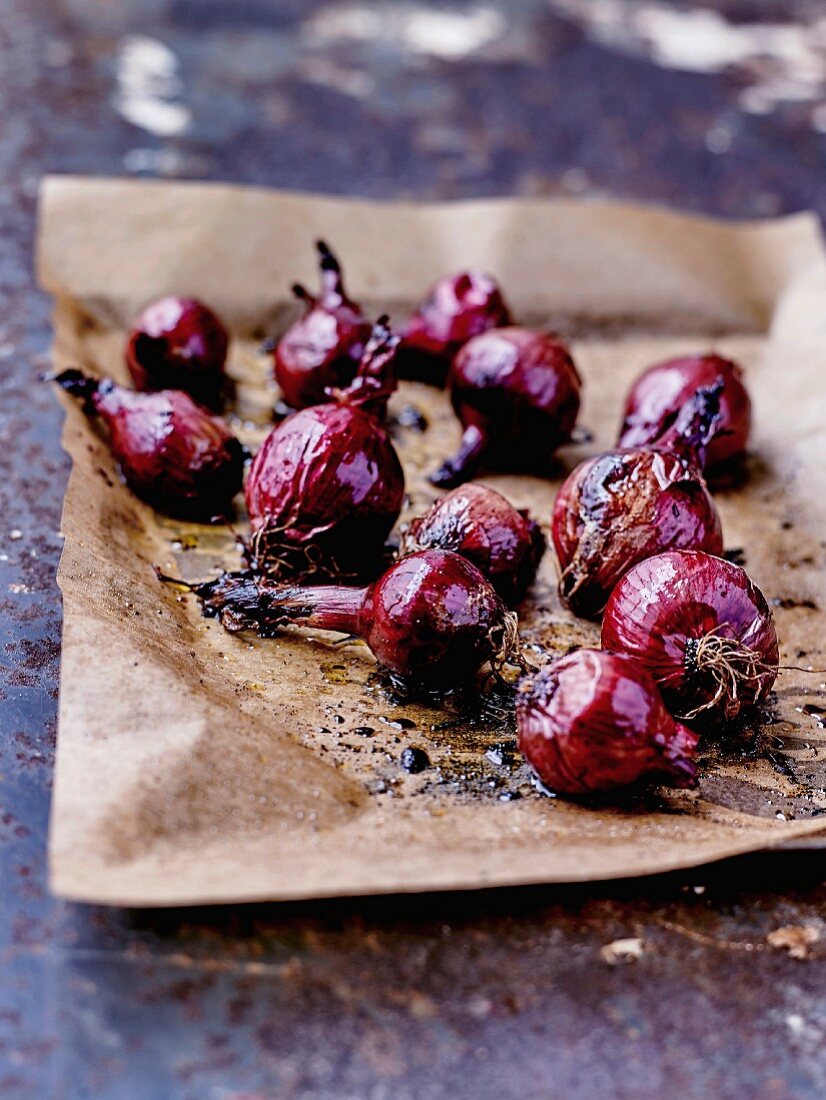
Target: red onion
{"points": [[456, 309], [660, 392], [432, 619], [593, 721], [475, 521], [700, 626], [323, 349], [621, 507], [516, 393], [171, 451], [179, 344], [327, 486]]}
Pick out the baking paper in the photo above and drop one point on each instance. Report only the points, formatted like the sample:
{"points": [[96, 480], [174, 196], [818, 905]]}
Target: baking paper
{"points": [[196, 766]]}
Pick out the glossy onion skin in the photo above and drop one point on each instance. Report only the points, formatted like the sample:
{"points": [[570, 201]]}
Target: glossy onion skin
{"points": [[516, 393], [664, 605], [431, 619], [619, 508], [504, 543], [323, 348], [328, 482], [661, 391], [595, 721], [173, 453], [456, 309], [179, 344]]}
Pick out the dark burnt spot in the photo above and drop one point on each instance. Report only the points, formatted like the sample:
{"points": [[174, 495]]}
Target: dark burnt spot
{"points": [[788, 603], [414, 760]]}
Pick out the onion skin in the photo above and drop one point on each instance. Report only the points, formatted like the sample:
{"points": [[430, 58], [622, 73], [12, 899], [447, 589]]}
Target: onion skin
{"points": [[456, 309], [516, 393], [505, 544], [661, 391], [180, 344], [431, 619], [172, 452], [621, 507], [322, 350], [327, 486], [595, 721], [666, 606]]}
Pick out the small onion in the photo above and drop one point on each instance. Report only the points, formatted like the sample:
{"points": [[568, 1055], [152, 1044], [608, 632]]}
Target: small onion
{"points": [[595, 721], [327, 486], [516, 394], [431, 619], [171, 451], [456, 309], [480, 524], [616, 509], [702, 629], [323, 348], [179, 344], [657, 396]]}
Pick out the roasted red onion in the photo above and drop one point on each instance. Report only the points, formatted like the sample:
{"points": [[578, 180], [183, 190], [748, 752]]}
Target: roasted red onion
{"points": [[516, 394], [475, 521], [171, 451], [621, 507], [431, 619], [702, 629], [661, 391], [456, 309], [179, 344], [327, 486], [322, 350], [594, 721]]}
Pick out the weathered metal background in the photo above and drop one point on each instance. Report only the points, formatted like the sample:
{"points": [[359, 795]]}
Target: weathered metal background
{"points": [[719, 107]]}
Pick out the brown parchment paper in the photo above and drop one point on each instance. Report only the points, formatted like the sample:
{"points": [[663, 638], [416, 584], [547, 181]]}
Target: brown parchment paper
{"points": [[195, 766]]}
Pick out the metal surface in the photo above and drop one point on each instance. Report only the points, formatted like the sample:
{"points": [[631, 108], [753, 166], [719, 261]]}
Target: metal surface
{"points": [[719, 107]]}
